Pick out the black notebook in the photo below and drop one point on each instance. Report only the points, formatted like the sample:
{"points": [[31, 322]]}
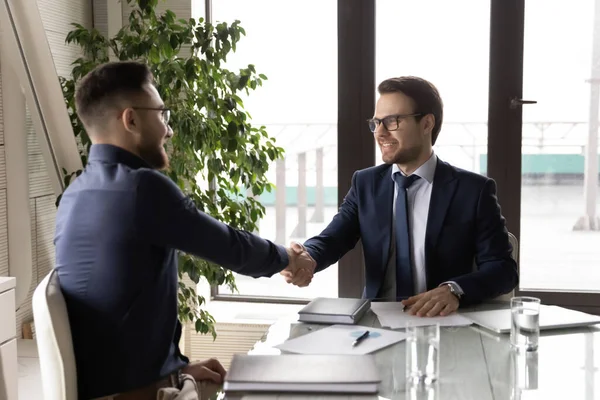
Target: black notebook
{"points": [[334, 310], [355, 374]]}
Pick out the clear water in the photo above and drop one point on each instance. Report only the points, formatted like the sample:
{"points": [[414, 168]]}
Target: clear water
{"points": [[525, 329]]}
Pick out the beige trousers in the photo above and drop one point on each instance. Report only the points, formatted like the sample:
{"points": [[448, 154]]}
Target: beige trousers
{"points": [[190, 390]]}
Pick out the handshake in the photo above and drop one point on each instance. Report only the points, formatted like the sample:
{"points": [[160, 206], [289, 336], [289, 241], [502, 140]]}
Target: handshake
{"points": [[301, 268]]}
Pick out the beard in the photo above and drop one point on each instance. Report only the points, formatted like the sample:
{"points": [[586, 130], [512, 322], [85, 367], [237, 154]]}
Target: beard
{"points": [[403, 156], [154, 155]]}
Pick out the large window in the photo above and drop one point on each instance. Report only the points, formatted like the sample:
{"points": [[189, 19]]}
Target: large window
{"points": [[476, 60], [559, 224], [437, 41], [294, 43]]}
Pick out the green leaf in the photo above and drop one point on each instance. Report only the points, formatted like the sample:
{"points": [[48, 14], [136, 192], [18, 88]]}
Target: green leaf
{"points": [[232, 145], [169, 17], [232, 129], [154, 55], [174, 41], [243, 81]]}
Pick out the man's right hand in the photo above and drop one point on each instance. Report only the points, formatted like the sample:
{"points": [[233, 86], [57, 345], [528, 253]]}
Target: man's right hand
{"points": [[301, 268], [207, 370]]}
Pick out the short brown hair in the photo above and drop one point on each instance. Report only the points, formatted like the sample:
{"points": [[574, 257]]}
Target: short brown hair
{"points": [[424, 94], [105, 85]]}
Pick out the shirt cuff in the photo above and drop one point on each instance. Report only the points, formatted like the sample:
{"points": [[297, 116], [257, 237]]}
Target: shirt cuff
{"points": [[455, 286]]}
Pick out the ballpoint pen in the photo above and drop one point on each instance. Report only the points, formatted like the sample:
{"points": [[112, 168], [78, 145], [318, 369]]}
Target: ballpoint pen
{"points": [[360, 338], [399, 299]]}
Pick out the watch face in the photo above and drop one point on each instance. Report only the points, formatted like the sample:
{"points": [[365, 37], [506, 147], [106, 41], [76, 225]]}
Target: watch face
{"points": [[454, 291]]}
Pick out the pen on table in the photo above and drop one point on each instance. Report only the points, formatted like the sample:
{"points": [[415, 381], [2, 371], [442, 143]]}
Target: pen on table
{"points": [[405, 308], [360, 338]]}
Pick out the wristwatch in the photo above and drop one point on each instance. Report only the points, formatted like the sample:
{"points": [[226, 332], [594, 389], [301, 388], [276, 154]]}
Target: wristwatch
{"points": [[455, 290]]}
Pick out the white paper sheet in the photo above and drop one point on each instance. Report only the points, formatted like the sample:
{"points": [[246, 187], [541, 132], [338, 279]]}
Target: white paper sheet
{"points": [[391, 315], [337, 339]]}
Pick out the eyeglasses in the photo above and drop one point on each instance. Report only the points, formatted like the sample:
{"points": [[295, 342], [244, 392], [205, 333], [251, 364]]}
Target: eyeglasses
{"points": [[165, 112], [390, 123]]}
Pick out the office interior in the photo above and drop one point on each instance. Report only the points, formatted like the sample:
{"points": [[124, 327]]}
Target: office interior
{"points": [[521, 98]]}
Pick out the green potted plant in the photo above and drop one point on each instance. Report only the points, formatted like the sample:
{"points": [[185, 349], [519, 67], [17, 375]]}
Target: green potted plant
{"points": [[214, 140]]}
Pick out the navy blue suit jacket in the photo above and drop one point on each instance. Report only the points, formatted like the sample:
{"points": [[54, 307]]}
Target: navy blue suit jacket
{"points": [[464, 224]]}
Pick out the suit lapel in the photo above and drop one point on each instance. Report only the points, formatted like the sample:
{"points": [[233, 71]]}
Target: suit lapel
{"points": [[384, 196], [442, 192]]}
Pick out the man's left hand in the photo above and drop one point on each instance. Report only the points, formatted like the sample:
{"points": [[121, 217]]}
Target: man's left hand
{"points": [[439, 301]]}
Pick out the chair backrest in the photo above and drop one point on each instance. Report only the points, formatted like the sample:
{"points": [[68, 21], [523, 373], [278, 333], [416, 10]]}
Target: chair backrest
{"points": [[515, 256], [55, 346], [515, 247]]}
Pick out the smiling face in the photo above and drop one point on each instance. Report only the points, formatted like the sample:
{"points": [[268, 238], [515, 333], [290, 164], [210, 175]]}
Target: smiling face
{"points": [[403, 138]]}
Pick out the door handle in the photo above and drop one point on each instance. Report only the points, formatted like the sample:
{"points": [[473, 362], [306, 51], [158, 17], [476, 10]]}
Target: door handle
{"points": [[515, 102]]}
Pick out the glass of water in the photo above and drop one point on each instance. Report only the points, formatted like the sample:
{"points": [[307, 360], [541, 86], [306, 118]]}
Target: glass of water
{"points": [[525, 323], [422, 354]]}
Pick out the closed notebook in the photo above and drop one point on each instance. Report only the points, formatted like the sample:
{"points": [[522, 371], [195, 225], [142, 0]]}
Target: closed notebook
{"points": [[334, 310], [294, 373]]}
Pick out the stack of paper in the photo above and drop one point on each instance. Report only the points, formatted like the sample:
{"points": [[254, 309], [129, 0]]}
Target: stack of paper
{"points": [[338, 339], [391, 315]]}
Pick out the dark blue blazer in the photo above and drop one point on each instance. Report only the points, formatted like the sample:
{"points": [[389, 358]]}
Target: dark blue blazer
{"points": [[464, 224]]}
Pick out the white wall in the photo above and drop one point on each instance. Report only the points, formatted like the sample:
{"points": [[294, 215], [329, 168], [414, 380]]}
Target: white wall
{"points": [[57, 15], [3, 215]]}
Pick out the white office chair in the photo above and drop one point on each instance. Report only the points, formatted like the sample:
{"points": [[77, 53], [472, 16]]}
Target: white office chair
{"points": [[55, 346], [515, 256]]}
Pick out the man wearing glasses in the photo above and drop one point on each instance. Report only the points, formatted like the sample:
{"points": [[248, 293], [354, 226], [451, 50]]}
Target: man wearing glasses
{"points": [[118, 227], [422, 222]]}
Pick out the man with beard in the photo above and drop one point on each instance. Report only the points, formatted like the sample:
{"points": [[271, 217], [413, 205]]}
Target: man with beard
{"points": [[118, 227], [423, 223]]}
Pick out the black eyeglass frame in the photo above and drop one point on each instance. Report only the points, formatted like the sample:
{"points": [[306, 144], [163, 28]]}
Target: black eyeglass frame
{"points": [[166, 112], [375, 122]]}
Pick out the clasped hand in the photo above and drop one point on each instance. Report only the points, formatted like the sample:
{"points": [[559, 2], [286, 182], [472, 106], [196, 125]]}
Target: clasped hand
{"points": [[301, 267]]}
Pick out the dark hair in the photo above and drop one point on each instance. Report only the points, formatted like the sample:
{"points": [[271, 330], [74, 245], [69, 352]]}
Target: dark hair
{"points": [[425, 96], [104, 87]]}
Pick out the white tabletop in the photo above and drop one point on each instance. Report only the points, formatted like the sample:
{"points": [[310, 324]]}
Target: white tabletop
{"points": [[478, 364]]}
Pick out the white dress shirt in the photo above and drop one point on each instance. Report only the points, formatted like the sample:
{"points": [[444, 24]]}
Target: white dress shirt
{"points": [[418, 197]]}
